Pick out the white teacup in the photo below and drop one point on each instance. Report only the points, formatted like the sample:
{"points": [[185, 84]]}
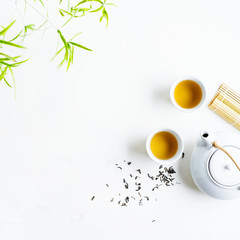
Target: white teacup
{"points": [[178, 153], [194, 79]]}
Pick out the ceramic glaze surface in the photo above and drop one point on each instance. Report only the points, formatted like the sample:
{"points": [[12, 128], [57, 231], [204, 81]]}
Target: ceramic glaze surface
{"points": [[211, 176], [222, 169]]}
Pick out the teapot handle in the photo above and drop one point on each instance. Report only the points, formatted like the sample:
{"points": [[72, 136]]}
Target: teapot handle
{"points": [[216, 145]]}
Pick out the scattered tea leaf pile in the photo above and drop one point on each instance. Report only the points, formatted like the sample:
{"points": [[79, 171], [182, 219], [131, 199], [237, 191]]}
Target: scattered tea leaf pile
{"points": [[139, 186]]}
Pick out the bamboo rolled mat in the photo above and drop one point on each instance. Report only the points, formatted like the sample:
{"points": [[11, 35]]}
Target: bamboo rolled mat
{"points": [[226, 103]]}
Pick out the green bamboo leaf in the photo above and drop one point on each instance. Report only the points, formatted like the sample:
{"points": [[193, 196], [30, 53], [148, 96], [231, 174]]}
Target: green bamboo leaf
{"points": [[3, 32], [13, 64], [60, 11], [82, 9], [4, 59], [44, 23], [7, 82], [13, 80], [41, 3], [111, 4], [61, 63], [7, 64], [3, 73], [18, 63], [104, 15], [69, 52], [72, 53], [57, 53], [84, 1], [70, 56], [67, 21], [64, 42], [97, 1], [16, 36], [11, 44], [80, 46], [5, 55], [29, 27], [75, 36], [96, 10], [8, 57]]}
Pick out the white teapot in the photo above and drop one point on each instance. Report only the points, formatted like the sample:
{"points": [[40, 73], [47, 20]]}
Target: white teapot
{"points": [[212, 170]]}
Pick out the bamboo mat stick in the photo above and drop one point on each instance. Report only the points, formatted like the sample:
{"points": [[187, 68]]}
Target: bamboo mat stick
{"points": [[226, 103]]}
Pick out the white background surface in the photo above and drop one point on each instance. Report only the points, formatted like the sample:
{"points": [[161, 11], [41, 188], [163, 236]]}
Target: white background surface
{"points": [[64, 133]]}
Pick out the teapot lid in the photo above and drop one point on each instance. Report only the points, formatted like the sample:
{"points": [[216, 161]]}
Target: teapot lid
{"points": [[222, 169]]}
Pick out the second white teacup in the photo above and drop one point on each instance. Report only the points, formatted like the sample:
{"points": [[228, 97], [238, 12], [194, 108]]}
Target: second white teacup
{"points": [[164, 146]]}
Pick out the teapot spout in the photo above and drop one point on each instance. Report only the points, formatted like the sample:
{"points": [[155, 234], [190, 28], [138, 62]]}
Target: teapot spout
{"points": [[207, 138]]}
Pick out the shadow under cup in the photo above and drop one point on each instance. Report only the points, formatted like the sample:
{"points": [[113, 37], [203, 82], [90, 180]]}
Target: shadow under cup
{"points": [[164, 146]]}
